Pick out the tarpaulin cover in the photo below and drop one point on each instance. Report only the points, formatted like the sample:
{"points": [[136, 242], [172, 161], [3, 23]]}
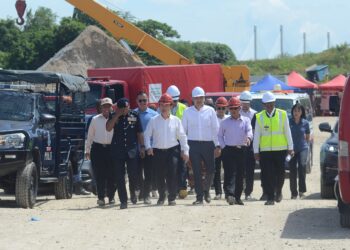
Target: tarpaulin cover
{"points": [[268, 83], [298, 81], [72, 82], [155, 80], [336, 83]]}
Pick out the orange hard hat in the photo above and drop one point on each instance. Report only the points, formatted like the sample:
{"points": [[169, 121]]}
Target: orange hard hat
{"points": [[221, 102], [166, 99], [234, 102]]}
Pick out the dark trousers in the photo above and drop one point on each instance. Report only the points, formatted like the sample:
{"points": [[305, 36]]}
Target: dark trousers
{"points": [[181, 174], [131, 164], [165, 163], [104, 172], [272, 164], [234, 160], [145, 175], [297, 169], [217, 177], [202, 151], [249, 171]]}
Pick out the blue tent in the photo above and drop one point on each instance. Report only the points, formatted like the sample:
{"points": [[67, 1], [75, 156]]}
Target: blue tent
{"points": [[268, 83]]}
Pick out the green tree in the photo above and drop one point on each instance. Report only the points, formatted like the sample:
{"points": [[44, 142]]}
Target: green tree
{"points": [[42, 19], [67, 31], [206, 52], [157, 29]]}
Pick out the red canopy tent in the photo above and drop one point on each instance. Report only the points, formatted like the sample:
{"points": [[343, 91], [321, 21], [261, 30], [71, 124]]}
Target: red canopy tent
{"points": [[298, 81], [336, 83]]}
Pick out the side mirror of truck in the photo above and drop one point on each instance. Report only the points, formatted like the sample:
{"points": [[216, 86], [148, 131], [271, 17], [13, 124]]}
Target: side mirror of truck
{"points": [[47, 118], [325, 127], [111, 94]]}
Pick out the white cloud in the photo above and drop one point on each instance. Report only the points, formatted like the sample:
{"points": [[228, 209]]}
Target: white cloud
{"points": [[272, 10], [171, 2]]}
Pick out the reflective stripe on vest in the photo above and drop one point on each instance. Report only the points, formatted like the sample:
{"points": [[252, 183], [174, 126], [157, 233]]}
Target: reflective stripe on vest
{"points": [[180, 110], [272, 137]]}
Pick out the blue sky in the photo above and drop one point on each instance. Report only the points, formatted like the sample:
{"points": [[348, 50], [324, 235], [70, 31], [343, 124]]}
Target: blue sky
{"points": [[232, 21]]}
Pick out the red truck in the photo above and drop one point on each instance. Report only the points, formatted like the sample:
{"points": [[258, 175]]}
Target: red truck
{"points": [[154, 80], [342, 189]]}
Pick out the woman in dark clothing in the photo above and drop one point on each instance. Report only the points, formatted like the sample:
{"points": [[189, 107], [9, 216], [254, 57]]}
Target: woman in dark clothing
{"points": [[300, 129]]}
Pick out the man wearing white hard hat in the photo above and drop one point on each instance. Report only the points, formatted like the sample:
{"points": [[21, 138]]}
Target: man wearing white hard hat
{"points": [[178, 109], [272, 142], [201, 126], [246, 97]]}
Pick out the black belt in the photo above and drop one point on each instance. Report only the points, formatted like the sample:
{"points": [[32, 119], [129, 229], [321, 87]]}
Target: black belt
{"points": [[236, 147], [101, 145], [165, 149], [200, 141]]}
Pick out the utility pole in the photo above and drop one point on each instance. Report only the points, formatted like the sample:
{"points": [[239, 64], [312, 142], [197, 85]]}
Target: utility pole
{"points": [[304, 43], [255, 44], [328, 40], [281, 31]]}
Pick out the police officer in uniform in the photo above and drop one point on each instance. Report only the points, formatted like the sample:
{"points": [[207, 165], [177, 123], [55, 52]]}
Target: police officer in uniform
{"points": [[127, 138]]}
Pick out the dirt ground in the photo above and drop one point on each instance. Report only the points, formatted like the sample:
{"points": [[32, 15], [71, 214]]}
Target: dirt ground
{"points": [[78, 224]]}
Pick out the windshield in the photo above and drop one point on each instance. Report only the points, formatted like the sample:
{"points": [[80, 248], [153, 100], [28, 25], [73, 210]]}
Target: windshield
{"points": [[93, 95], [285, 104], [13, 110]]}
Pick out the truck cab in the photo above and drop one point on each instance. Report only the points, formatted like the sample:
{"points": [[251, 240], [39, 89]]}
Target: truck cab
{"points": [[101, 87]]}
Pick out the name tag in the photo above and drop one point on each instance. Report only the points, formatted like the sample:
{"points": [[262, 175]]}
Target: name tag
{"points": [[132, 119]]}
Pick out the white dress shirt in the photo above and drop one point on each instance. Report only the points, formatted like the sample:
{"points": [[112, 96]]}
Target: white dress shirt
{"points": [[257, 132], [250, 113], [201, 125], [98, 133], [165, 133]]}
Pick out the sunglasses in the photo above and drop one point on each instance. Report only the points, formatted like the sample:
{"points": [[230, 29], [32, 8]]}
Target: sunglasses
{"points": [[234, 108], [220, 108], [142, 100]]}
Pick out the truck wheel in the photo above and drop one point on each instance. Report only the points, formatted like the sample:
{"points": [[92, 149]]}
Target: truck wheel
{"points": [[327, 192], [27, 186], [64, 186]]}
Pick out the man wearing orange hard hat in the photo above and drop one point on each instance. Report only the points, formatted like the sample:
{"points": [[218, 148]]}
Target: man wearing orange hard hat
{"points": [[235, 135], [221, 108]]}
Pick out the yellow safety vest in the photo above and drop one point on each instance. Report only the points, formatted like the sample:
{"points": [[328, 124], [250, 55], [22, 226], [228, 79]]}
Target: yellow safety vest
{"points": [[272, 137], [180, 110]]}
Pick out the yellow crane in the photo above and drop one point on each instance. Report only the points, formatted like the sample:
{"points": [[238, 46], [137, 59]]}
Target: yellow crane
{"points": [[236, 78]]}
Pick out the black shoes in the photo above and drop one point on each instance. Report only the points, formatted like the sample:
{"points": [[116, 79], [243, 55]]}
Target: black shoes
{"points": [[160, 202], [133, 199], [278, 197], [230, 200], [100, 203], [269, 203], [198, 202], [171, 203], [207, 197], [239, 202], [263, 197], [111, 201], [147, 201], [217, 197], [124, 205], [294, 197], [80, 190]]}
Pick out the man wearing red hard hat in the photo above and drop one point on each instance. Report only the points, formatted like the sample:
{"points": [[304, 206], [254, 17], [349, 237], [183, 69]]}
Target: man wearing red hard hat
{"points": [[163, 134], [221, 108], [235, 135]]}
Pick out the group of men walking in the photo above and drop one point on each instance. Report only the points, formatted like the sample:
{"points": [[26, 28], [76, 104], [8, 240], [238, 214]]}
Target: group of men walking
{"points": [[154, 148]]}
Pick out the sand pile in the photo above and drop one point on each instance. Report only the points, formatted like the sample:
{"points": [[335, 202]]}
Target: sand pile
{"points": [[93, 48]]}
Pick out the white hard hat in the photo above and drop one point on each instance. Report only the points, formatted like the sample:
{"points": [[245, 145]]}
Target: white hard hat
{"points": [[268, 97], [174, 92], [198, 92], [245, 97]]}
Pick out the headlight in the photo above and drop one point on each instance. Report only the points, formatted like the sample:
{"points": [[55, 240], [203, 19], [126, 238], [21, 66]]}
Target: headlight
{"points": [[9, 141], [332, 148]]}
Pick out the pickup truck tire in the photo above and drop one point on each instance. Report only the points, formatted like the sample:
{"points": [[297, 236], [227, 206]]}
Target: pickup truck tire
{"points": [[64, 186], [27, 186], [327, 192]]}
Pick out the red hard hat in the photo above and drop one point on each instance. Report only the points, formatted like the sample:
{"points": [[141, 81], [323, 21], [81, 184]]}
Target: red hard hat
{"points": [[166, 99], [221, 102], [234, 102]]}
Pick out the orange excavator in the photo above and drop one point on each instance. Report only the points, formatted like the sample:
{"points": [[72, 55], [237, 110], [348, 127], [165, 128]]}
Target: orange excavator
{"points": [[236, 77]]}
